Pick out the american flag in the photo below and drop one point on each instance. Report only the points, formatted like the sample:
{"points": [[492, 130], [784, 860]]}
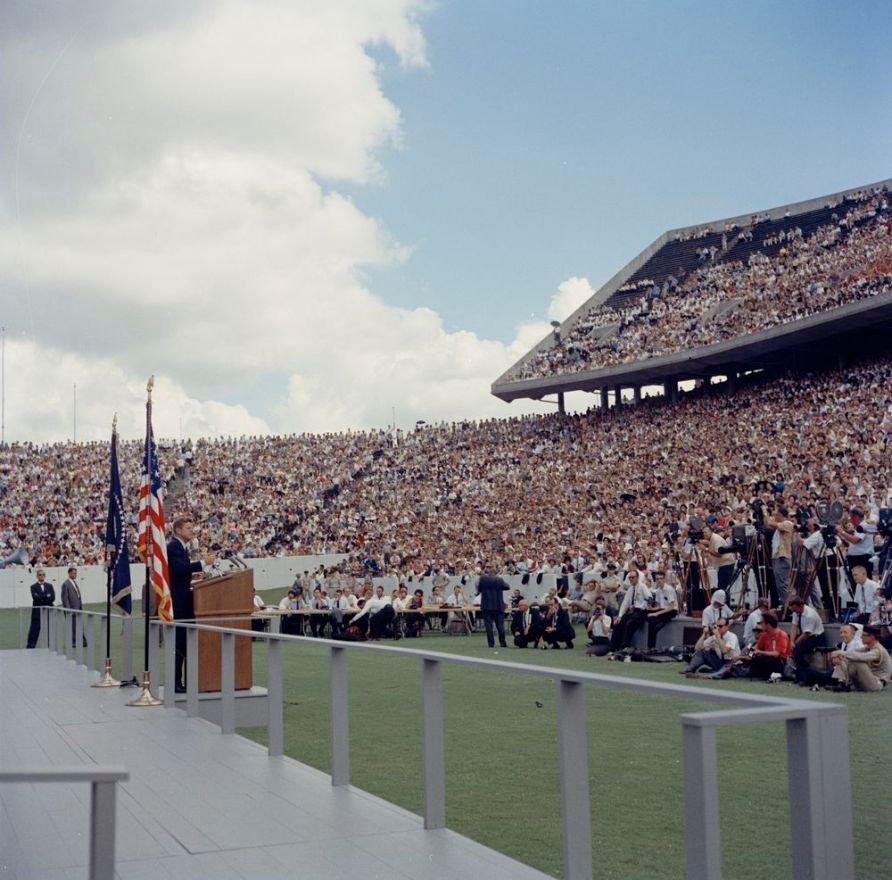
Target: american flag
{"points": [[150, 535]]}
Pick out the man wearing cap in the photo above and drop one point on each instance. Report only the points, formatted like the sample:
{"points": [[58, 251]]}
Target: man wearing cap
{"points": [[868, 669], [717, 610], [806, 635]]}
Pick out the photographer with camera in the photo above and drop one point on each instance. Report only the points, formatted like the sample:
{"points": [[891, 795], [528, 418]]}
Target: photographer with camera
{"points": [[818, 562], [781, 550], [716, 647], [716, 546], [599, 628], [860, 541]]}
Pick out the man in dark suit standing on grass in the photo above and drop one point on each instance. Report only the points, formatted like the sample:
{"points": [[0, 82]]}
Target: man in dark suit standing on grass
{"points": [[181, 569], [492, 604]]}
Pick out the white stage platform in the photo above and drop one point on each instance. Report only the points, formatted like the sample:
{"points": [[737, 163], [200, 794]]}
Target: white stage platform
{"points": [[198, 803]]}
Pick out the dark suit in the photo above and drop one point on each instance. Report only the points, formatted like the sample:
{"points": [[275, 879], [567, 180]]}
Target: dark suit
{"points": [[563, 629], [42, 596], [528, 632], [181, 570], [492, 606], [71, 598]]}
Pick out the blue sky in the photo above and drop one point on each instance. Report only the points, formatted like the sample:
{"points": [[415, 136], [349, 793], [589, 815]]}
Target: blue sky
{"points": [[304, 216], [551, 139]]}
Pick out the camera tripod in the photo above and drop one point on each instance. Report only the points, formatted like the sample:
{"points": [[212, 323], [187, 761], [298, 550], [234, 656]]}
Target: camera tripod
{"points": [[698, 576], [814, 568], [756, 561]]}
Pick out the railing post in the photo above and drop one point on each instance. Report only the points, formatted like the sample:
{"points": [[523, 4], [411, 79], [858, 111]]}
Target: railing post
{"points": [[340, 717], [274, 696], [576, 817], [227, 677], [432, 746], [68, 634], [701, 802], [78, 638], [90, 625], [44, 614], [102, 831], [820, 796], [106, 647], [170, 665], [154, 655], [192, 673], [97, 642], [127, 650]]}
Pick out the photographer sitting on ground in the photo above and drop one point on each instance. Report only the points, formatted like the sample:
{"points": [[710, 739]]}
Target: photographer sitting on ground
{"points": [[771, 652], [715, 648], [599, 626]]}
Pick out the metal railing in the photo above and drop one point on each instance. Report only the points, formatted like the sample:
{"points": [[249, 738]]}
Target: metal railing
{"points": [[820, 802], [103, 782]]}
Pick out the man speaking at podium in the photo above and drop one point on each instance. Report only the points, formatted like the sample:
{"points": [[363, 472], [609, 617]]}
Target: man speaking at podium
{"points": [[181, 569]]}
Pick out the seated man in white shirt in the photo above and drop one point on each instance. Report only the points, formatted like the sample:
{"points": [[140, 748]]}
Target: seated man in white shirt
{"points": [[849, 640], [714, 649], [754, 618], [869, 669], [376, 617], [632, 613], [663, 609], [866, 593], [806, 635]]}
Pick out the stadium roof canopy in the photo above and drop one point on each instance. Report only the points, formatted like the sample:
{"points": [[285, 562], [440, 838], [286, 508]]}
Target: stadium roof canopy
{"points": [[820, 337]]}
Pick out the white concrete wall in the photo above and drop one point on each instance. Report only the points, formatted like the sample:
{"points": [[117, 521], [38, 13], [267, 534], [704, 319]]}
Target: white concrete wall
{"points": [[272, 573], [269, 574]]}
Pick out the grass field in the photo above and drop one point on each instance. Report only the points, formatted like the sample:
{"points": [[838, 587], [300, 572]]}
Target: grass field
{"points": [[502, 760]]}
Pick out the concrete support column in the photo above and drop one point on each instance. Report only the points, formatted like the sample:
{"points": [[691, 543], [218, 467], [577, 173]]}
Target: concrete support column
{"points": [[605, 403], [561, 407], [618, 395], [637, 390]]}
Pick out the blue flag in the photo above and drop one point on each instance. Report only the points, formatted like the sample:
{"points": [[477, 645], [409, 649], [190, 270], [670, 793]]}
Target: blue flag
{"points": [[116, 536]]}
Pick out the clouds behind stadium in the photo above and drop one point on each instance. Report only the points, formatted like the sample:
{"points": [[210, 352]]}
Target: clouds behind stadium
{"points": [[172, 205]]}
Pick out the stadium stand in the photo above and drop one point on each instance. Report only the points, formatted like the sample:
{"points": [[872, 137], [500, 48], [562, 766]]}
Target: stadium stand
{"points": [[727, 285], [532, 492]]}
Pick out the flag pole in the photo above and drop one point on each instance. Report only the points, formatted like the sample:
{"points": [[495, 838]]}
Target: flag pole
{"points": [[146, 698], [107, 680]]}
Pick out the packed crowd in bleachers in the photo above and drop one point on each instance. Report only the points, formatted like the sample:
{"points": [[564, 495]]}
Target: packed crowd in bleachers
{"points": [[740, 285], [529, 491]]}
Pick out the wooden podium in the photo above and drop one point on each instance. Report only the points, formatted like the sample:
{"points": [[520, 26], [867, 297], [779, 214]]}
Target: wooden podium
{"points": [[229, 595]]}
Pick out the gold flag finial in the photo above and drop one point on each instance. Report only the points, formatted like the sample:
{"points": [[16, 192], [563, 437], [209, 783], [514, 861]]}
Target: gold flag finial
{"points": [[150, 384], [115, 424]]}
